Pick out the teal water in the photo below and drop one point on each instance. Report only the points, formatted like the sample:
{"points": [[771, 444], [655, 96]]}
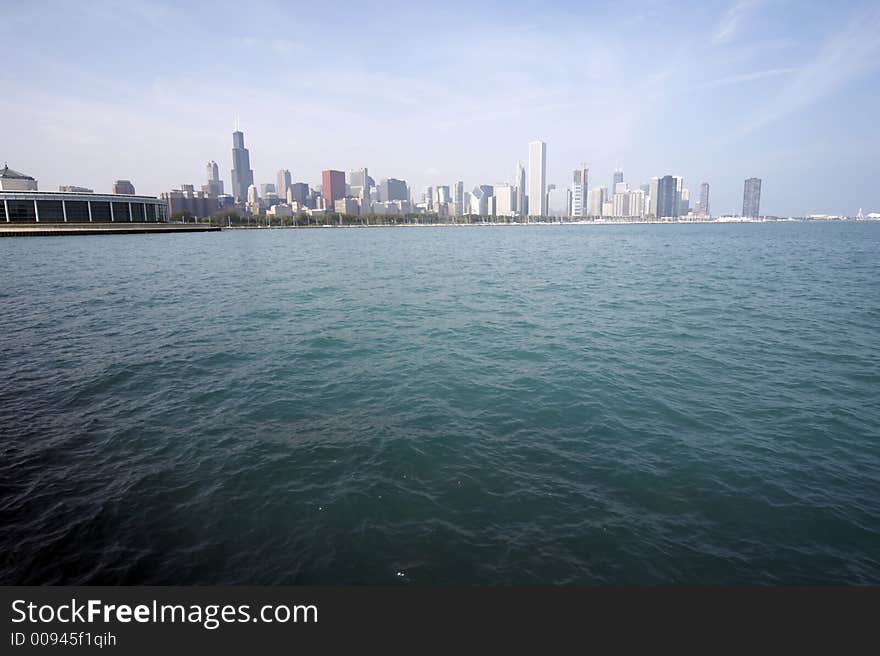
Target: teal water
{"points": [[545, 404]]}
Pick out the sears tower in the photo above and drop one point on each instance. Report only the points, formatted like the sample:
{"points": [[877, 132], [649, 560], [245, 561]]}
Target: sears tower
{"points": [[242, 176]]}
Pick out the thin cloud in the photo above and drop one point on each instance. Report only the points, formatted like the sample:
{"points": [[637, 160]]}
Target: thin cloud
{"points": [[746, 77], [731, 21], [285, 47], [849, 54]]}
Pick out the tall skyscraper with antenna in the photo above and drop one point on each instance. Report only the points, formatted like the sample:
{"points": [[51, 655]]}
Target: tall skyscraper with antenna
{"points": [[242, 175]]}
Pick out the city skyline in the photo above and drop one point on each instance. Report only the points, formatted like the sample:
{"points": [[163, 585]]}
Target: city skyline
{"points": [[355, 192], [739, 93]]}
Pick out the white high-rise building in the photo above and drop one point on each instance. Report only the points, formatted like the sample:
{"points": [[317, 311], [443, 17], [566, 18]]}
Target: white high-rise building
{"points": [[537, 187], [652, 196], [679, 185], [283, 183], [597, 198], [579, 191], [505, 200], [215, 184], [636, 203], [441, 195], [359, 183], [473, 201], [620, 197], [519, 181], [620, 203]]}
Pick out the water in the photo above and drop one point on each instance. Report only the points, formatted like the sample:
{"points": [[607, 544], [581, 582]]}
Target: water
{"points": [[556, 404]]}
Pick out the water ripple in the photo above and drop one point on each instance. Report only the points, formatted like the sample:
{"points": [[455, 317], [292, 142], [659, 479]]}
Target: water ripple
{"points": [[566, 405]]}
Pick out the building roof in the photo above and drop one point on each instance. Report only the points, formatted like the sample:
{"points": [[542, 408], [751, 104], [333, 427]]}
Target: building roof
{"points": [[9, 174]]}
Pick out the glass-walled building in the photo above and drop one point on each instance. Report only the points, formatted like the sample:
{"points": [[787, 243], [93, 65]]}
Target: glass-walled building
{"points": [[71, 207]]}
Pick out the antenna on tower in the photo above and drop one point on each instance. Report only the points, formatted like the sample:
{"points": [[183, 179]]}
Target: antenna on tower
{"points": [[236, 123]]}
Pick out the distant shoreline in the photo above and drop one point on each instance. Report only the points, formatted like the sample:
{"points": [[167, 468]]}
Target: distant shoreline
{"points": [[78, 229], [62, 229], [497, 224]]}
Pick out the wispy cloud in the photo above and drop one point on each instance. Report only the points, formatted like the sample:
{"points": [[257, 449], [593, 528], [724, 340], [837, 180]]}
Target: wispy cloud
{"points": [[597, 80], [730, 22], [846, 55], [285, 47], [746, 77]]}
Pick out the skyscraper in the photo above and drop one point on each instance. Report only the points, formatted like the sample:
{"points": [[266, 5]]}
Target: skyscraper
{"points": [[653, 191], [620, 201], [752, 198], [283, 183], [519, 181], [636, 203], [704, 199], [597, 200], [667, 196], [392, 189], [458, 198], [618, 178], [505, 198], [242, 175], [579, 191], [123, 187], [333, 186], [684, 202], [480, 199], [215, 184], [298, 192], [537, 188], [359, 183]]}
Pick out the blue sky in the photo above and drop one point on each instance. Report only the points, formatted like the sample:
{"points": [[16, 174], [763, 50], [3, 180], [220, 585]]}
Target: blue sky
{"points": [[785, 90]]}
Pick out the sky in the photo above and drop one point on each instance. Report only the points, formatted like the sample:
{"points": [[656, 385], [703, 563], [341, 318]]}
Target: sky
{"points": [[714, 91]]}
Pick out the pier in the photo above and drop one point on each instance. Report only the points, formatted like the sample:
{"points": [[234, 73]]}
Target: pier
{"points": [[62, 229]]}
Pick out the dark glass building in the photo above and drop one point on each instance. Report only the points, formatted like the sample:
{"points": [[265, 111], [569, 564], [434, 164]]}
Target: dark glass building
{"points": [[704, 199], [299, 192], [392, 189], [667, 197], [242, 175], [752, 198]]}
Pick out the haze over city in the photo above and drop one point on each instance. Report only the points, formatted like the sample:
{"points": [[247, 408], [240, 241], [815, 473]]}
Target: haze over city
{"points": [[715, 91]]}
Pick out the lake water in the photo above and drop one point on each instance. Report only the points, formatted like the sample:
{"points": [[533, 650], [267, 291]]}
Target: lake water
{"points": [[641, 404]]}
